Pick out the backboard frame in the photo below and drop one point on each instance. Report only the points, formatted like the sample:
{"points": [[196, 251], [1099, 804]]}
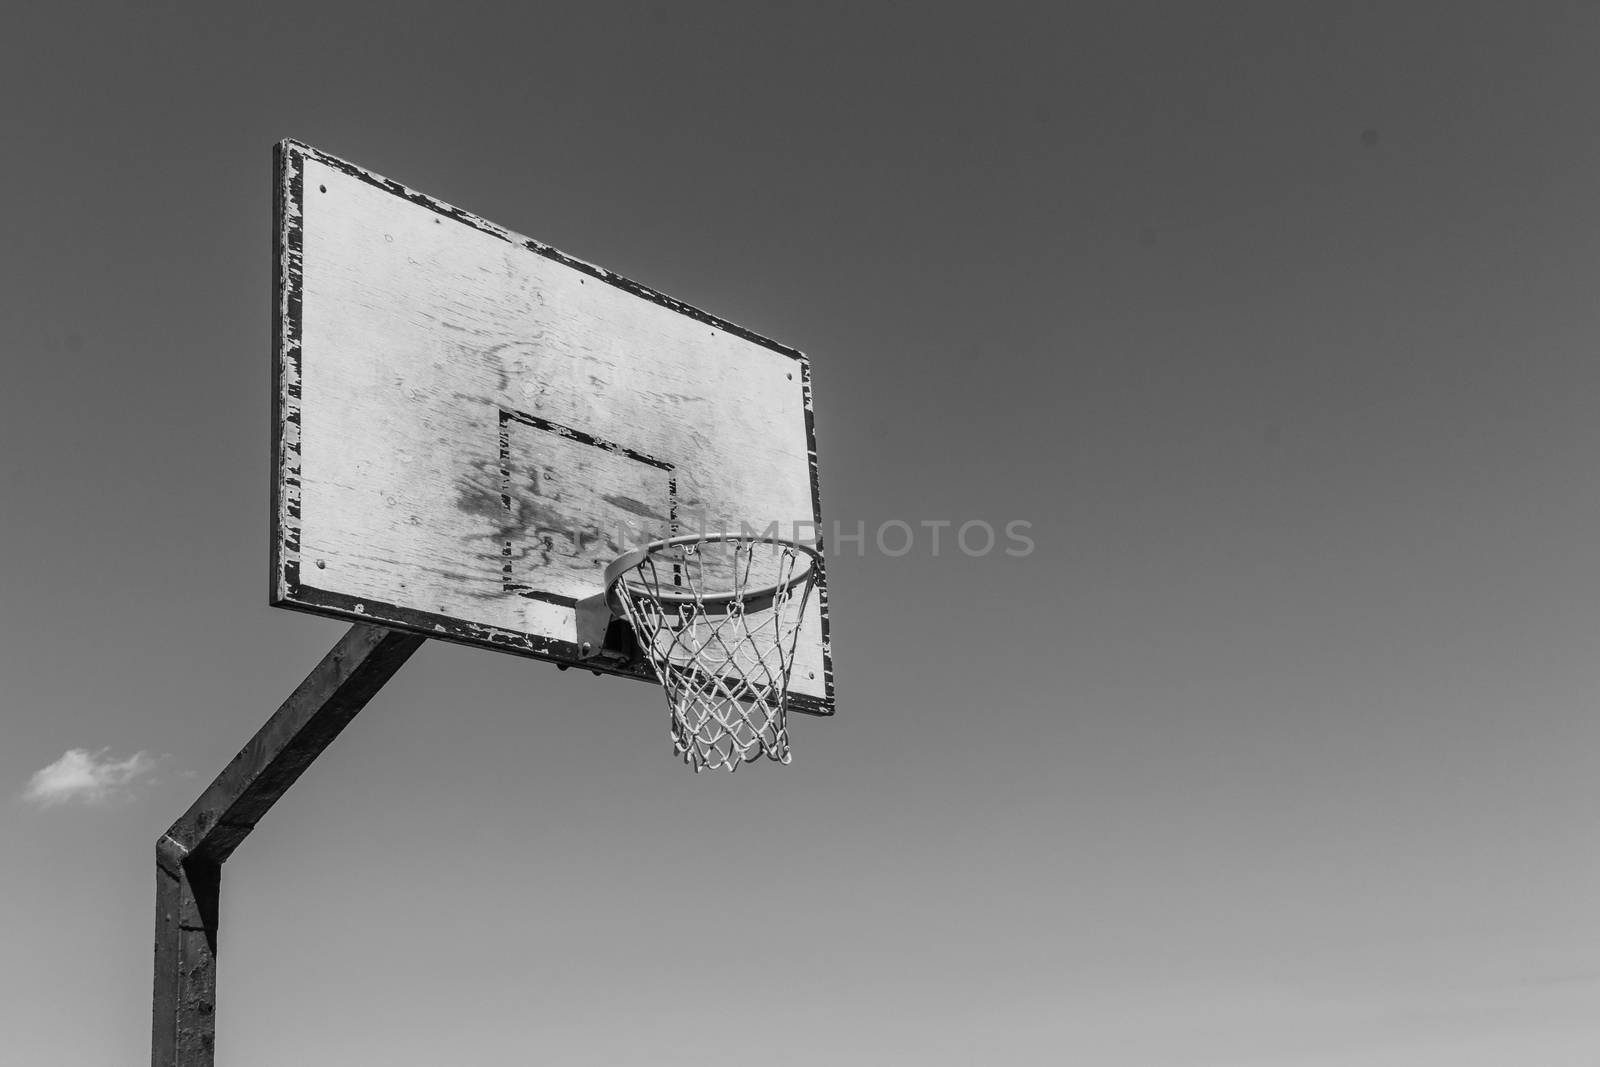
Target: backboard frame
{"points": [[291, 587]]}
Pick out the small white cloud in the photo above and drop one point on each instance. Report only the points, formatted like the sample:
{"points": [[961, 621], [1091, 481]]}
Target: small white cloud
{"points": [[86, 777]]}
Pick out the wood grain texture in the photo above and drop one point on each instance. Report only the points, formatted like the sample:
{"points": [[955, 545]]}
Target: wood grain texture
{"points": [[469, 424], [189, 856], [184, 1005]]}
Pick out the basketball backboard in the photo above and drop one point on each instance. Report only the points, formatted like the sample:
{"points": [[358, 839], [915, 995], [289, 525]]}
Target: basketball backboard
{"points": [[469, 425]]}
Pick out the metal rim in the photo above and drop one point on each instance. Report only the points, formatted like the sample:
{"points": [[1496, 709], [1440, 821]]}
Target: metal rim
{"points": [[615, 573]]}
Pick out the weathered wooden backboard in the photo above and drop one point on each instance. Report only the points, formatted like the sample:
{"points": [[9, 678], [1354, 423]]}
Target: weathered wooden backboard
{"points": [[469, 425]]}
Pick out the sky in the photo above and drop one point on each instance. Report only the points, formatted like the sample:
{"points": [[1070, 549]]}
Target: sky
{"points": [[1274, 321]]}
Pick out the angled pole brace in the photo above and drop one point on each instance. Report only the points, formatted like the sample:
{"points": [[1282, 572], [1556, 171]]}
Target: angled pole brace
{"points": [[190, 855]]}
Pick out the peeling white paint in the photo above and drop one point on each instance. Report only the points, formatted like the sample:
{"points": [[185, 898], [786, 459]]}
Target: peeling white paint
{"points": [[408, 329]]}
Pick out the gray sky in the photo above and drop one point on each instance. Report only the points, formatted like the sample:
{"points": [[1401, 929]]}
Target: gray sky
{"points": [[1276, 321]]}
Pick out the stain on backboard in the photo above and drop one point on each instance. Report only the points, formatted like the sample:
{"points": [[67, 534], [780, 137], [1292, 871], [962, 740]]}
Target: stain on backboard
{"points": [[574, 503]]}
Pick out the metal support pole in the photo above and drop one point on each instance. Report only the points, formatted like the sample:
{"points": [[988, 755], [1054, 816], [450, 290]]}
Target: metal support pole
{"points": [[190, 855]]}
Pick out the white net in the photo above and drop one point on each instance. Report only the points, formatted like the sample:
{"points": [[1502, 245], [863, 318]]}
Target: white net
{"points": [[718, 618]]}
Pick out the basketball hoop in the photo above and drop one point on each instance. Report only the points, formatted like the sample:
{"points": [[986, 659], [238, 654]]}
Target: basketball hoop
{"points": [[717, 618]]}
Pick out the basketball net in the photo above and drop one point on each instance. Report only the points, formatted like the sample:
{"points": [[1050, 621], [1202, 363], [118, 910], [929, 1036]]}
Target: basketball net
{"points": [[717, 617]]}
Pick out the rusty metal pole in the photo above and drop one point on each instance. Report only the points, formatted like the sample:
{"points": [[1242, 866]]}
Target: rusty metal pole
{"points": [[190, 855]]}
